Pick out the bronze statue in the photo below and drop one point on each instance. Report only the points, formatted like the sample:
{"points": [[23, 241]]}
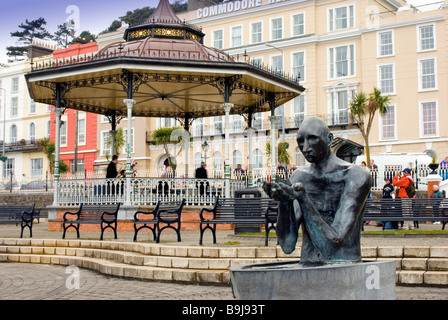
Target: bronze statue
{"points": [[327, 198]]}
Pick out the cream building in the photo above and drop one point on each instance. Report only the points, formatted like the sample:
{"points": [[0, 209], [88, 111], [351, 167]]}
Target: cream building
{"points": [[335, 49], [22, 123]]}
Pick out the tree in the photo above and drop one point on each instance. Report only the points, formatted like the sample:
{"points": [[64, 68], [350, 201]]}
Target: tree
{"points": [[65, 34], [85, 37], [282, 150], [30, 31], [115, 25], [363, 108], [162, 136], [48, 147], [119, 142], [138, 16]]}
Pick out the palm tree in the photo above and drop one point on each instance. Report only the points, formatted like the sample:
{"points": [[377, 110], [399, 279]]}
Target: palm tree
{"points": [[363, 108], [162, 136]]}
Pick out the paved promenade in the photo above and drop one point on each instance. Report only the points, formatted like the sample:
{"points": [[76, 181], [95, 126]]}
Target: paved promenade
{"points": [[22, 281]]}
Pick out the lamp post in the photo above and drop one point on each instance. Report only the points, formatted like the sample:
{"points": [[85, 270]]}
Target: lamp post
{"points": [[205, 147]]}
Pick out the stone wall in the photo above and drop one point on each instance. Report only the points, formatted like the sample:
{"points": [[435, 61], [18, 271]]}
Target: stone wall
{"points": [[40, 199]]}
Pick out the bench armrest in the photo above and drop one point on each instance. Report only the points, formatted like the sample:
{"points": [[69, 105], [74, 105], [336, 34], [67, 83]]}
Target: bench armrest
{"points": [[212, 210], [105, 213], [72, 213], [153, 213], [29, 216]]}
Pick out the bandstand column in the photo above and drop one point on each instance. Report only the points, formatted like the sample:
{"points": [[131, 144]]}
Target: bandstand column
{"points": [[227, 107], [129, 104], [58, 113], [250, 134], [273, 119]]}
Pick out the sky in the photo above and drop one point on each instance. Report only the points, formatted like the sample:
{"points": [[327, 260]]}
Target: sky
{"points": [[91, 15]]}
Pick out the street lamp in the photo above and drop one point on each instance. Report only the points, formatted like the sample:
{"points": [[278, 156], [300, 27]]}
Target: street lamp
{"points": [[205, 147]]}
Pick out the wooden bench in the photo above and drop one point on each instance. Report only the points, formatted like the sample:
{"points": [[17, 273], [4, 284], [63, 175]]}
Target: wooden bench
{"points": [[261, 211], [417, 210], [103, 215], [19, 214], [167, 213]]}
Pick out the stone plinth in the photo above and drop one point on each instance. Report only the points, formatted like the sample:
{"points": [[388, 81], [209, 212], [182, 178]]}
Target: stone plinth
{"points": [[367, 280]]}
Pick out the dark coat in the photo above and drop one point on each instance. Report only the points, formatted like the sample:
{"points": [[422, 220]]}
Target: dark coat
{"points": [[111, 171]]}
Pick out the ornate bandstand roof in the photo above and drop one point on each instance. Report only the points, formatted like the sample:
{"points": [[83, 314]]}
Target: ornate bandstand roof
{"points": [[162, 65]]}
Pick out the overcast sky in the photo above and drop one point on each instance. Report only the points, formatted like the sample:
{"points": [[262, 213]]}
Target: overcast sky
{"points": [[94, 15]]}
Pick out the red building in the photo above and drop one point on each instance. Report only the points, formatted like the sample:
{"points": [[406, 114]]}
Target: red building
{"points": [[87, 122]]}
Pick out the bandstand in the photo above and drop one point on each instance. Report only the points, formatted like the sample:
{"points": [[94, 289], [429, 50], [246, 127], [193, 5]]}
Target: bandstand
{"points": [[160, 69]]}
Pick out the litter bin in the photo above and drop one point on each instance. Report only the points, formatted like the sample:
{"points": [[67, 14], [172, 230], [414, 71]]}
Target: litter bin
{"points": [[241, 210]]}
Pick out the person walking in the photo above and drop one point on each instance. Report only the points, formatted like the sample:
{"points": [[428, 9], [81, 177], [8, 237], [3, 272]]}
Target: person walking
{"points": [[111, 173], [201, 173], [436, 194]]}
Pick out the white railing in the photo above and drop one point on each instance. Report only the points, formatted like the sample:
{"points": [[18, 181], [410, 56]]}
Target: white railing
{"points": [[144, 191]]}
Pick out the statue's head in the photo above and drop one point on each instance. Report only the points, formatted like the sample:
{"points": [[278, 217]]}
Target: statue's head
{"points": [[314, 139]]}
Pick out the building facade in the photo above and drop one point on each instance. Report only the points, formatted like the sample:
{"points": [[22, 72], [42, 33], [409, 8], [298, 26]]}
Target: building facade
{"points": [[336, 49], [79, 129], [23, 123]]}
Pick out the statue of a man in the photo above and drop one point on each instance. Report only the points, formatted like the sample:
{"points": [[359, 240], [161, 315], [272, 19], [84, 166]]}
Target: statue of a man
{"points": [[327, 198]]}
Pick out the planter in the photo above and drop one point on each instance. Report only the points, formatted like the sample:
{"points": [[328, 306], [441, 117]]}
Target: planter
{"points": [[433, 167]]}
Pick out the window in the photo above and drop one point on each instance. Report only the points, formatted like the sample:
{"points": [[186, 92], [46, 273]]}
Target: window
{"points": [[299, 111], [258, 161], [197, 159], [36, 168], [258, 62], [106, 148], [236, 123], [14, 106], [342, 61], [298, 65], [80, 166], [428, 119], [237, 36], [426, 37], [81, 131], [277, 64], [13, 133], [385, 44], [280, 114], [388, 124], [341, 18], [218, 39], [257, 121], [48, 130], [15, 85], [63, 136], [9, 167], [237, 158], [276, 28], [198, 127], [298, 24], [165, 123], [386, 78], [257, 32], [427, 77], [217, 161], [32, 106], [300, 159], [217, 125], [32, 132]]}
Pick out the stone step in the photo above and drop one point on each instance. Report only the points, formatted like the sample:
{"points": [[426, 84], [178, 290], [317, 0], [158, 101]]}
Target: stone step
{"points": [[204, 265]]}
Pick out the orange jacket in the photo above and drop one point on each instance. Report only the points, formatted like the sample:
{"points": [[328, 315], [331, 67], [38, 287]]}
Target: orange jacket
{"points": [[403, 183]]}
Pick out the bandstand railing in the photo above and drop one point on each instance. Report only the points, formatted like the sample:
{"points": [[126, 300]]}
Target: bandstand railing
{"points": [[144, 191]]}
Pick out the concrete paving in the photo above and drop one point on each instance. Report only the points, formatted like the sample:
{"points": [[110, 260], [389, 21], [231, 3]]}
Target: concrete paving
{"points": [[23, 281]]}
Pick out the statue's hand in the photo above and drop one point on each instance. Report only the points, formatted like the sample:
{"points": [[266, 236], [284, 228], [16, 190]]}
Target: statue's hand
{"points": [[284, 192], [267, 188]]}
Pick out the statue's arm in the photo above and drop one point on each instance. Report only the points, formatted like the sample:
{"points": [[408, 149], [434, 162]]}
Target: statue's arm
{"points": [[288, 219], [328, 238]]}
